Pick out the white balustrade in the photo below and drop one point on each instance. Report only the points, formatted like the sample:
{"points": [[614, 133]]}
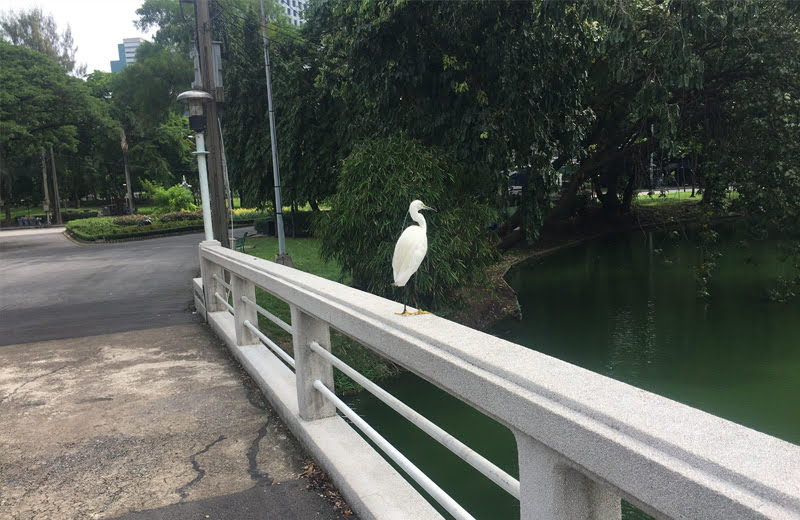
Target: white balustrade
{"points": [[584, 440]]}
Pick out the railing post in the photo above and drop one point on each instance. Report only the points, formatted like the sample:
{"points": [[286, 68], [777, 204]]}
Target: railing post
{"points": [[210, 285], [550, 489], [310, 367], [242, 311]]}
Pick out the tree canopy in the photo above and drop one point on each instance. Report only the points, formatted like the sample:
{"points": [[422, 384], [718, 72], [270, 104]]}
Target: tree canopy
{"points": [[36, 31], [42, 105]]}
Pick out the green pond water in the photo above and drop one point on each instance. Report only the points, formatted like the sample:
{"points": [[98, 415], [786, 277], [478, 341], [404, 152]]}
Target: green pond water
{"points": [[626, 307]]}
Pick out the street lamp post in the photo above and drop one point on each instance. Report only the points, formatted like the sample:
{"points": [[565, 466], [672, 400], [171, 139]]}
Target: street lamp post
{"points": [[197, 122]]}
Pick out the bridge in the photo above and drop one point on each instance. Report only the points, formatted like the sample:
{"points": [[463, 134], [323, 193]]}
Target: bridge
{"points": [[584, 441]]}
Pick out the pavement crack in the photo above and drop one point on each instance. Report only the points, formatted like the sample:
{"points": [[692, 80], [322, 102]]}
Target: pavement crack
{"points": [[183, 491], [252, 457], [26, 383]]}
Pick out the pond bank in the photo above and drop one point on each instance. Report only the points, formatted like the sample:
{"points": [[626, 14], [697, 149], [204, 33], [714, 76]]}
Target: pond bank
{"points": [[485, 306]]}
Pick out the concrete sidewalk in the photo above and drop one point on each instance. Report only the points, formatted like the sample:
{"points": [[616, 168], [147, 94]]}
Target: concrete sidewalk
{"points": [[148, 424]]}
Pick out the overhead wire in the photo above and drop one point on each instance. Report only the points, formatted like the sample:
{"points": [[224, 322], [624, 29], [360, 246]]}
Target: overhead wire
{"points": [[274, 26]]}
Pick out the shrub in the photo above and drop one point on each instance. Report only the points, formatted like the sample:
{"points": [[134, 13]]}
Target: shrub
{"points": [[176, 198], [180, 216], [370, 210], [249, 214], [130, 220], [264, 226], [105, 228], [91, 228], [298, 223]]}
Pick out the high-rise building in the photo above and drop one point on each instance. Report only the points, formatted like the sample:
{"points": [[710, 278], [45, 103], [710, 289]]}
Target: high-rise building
{"points": [[127, 53], [294, 10]]}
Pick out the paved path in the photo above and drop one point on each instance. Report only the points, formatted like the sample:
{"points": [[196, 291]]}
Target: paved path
{"points": [[116, 402], [52, 288]]}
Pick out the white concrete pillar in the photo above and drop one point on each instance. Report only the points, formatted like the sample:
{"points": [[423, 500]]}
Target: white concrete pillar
{"points": [[550, 489], [210, 284], [310, 367], [243, 311]]}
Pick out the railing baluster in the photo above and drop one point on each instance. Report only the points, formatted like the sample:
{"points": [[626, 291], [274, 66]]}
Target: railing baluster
{"points": [[243, 288], [310, 367], [550, 489], [211, 286]]}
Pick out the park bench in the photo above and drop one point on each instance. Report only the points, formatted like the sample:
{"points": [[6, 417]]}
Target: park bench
{"points": [[239, 242]]}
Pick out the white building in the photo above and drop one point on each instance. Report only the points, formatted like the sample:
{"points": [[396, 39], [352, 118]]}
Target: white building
{"points": [[294, 10], [127, 53]]}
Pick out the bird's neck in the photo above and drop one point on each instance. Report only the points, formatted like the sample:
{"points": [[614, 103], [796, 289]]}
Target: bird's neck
{"points": [[419, 219]]}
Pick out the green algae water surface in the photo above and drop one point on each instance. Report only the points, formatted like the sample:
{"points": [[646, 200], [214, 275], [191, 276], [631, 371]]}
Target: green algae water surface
{"points": [[626, 307]]}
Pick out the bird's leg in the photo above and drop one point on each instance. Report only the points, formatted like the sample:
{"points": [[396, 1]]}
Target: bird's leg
{"points": [[419, 311], [405, 298]]}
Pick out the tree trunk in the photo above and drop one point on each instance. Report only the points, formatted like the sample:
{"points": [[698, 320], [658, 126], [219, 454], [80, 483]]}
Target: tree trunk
{"points": [[510, 240], [294, 225], [567, 198], [627, 196]]}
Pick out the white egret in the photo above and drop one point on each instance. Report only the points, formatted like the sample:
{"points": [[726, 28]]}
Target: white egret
{"points": [[410, 250]]}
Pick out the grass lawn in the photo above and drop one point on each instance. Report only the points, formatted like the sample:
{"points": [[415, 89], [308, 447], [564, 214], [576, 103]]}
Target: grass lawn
{"points": [[672, 197], [305, 256]]}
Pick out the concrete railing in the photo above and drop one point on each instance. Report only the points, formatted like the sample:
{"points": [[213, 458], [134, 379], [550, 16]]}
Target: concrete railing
{"points": [[584, 441]]}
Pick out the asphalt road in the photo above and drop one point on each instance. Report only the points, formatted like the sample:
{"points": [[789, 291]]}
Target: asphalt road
{"points": [[117, 402], [53, 288]]}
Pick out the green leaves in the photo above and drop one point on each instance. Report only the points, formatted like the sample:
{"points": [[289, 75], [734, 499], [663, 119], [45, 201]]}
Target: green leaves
{"points": [[370, 210]]}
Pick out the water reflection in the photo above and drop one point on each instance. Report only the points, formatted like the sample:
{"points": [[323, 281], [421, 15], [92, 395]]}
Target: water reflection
{"points": [[625, 307]]}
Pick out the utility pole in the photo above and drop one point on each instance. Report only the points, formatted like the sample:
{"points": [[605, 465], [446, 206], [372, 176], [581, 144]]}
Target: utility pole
{"points": [[46, 190], [219, 214], [55, 187], [283, 257]]}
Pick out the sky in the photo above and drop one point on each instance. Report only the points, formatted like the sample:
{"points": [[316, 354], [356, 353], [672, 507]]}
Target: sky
{"points": [[98, 26]]}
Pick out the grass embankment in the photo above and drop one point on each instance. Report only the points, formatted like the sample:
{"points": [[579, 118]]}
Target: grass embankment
{"points": [[305, 256]]}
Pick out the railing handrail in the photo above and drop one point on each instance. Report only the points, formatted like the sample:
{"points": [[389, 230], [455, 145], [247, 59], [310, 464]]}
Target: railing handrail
{"points": [[663, 456]]}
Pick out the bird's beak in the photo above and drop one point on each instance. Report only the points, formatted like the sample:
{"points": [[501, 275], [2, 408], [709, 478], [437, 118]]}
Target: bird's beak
{"points": [[427, 207]]}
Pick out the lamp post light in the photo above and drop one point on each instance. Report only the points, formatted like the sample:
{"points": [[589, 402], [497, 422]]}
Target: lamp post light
{"points": [[197, 122]]}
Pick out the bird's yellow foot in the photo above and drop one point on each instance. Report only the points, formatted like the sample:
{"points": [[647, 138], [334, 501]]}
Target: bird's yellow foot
{"points": [[415, 313]]}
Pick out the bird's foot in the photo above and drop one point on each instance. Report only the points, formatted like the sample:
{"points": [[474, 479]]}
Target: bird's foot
{"points": [[415, 313]]}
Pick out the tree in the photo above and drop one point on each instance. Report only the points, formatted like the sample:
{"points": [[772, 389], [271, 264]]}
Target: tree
{"points": [[246, 129], [175, 28], [370, 209], [310, 127], [40, 105], [36, 31], [666, 76], [497, 84], [142, 98]]}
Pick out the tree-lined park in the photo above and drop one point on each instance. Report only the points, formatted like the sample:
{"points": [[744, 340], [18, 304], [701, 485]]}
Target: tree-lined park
{"points": [[585, 105]]}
